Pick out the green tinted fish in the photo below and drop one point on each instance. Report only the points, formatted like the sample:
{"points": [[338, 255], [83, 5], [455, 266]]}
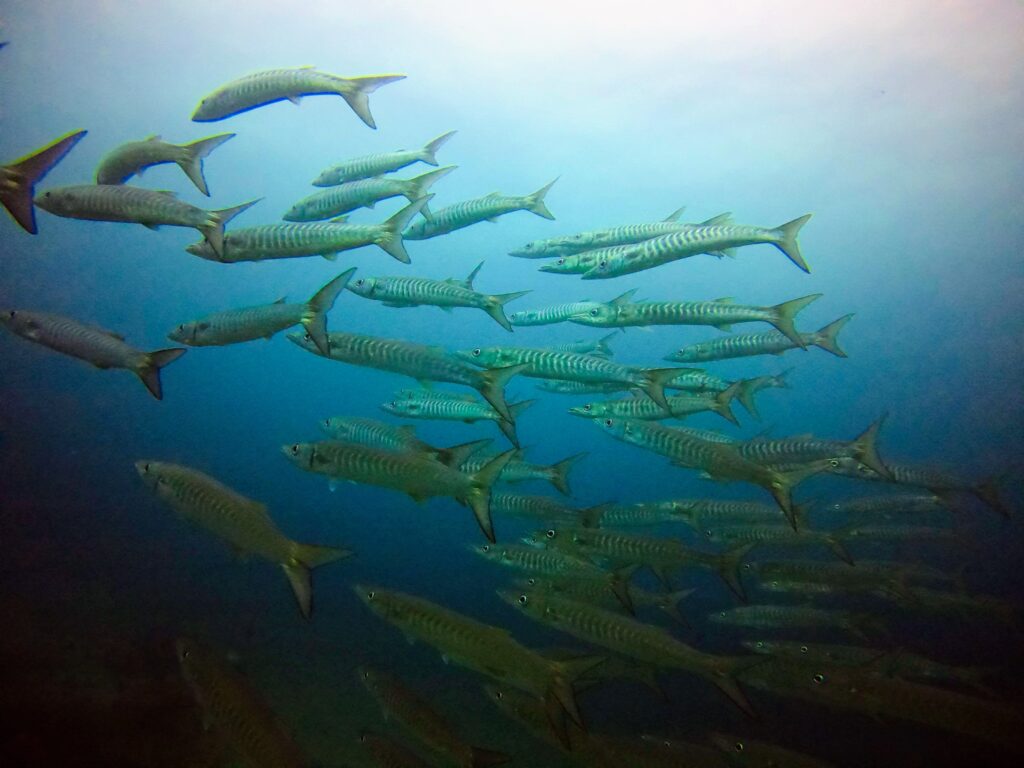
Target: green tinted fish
{"points": [[679, 406], [889, 506], [271, 85], [99, 347], [400, 702], [132, 158], [601, 347], [237, 711], [542, 508], [369, 166], [421, 362], [261, 322], [446, 294], [794, 617], [559, 313], [419, 476], [388, 753], [402, 439], [324, 238], [645, 643], [517, 470], [863, 448], [433, 404], [701, 514], [562, 387], [716, 238], [779, 534], [18, 179], [593, 591], [469, 212], [243, 523], [621, 312], [867, 576], [581, 263], [364, 193], [744, 751], [767, 343], [132, 205]]}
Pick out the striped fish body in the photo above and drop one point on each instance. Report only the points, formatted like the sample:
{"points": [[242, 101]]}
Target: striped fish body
{"points": [[515, 471], [465, 214], [624, 548], [708, 435], [414, 474], [369, 166], [414, 291], [548, 364], [701, 514], [349, 196], [133, 157], [778, 533], [793, 450], [642, 407], [581, 387], [238, 712], [897, 533], [373, 433], [115, 202], [239, 325], [581, 263], [698, 381], [272, 85], [781, 617], [899, 504], [542, 508], [559, 313], [387, 752], [853, 578], [547, 562], [716, 313], [629, 515], [599, 238], [99, 347], [285, 241], [598, 348], [200, 499], [442, 408], [740, 345]]}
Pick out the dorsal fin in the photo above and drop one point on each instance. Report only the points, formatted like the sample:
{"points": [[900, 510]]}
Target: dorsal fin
{"points": [[468, 282], [281, 300], [112, 335], [339, 219], [722, 218], [167, 192], [618, 301], [725, 300], [154, 137], [493, 194], [674, 216]]}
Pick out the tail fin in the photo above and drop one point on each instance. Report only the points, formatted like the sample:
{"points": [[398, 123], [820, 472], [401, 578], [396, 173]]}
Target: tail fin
{"points": [[827, 337], [417, 186], [479, 495], [865, 449], [745, 394], [722, 674], [299, 570], [560, 686], [558, 473], [428, 153], [456, 455], [787, 241], [508, 429], [494, 307], [782, 484], [491, 384], [727, 565], [483, 758], [602, 345], [391, 238], [720, 404], [192, 162], [654, 383], [618, 582], [508, 426], [838, 549], [213, 229], [669, 603], [356, 91], [785, 313], [25, 173], [535, 203], [988, 492], [149, 371], [314, 316]]}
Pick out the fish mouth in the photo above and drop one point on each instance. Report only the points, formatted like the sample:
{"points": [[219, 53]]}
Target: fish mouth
{"points": [[578, 411], [512, 598]]}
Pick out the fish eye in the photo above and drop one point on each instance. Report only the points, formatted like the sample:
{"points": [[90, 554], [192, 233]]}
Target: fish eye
{"points": [[13, 313], [394, 403], [370, 595], [722, 615], [803, 649], [759, 644], [602, 264], [186, 654], [295, 450], [587, 407], [561, 260], [486, 548], [476, 352], [708, 533], [306, 337], [360, 281], [550, 533], [818, 678], [607, 422], [499, 695], [833, 463], [594, 312], [522, 600], [531, 581], [746, 566], [738, 746]]}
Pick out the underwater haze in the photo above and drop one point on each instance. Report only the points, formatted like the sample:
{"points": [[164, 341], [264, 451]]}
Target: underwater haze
{"points": [[896, 124]]}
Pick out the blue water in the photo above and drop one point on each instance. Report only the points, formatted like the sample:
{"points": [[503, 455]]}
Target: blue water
{"points": [[896, 124]]}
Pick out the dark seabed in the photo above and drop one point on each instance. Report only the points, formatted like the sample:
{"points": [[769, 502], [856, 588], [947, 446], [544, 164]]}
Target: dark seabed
{"points": [[896, 124]]}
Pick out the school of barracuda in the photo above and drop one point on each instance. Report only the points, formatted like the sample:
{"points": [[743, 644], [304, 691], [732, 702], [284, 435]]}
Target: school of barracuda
{"points": [[577, 572]]}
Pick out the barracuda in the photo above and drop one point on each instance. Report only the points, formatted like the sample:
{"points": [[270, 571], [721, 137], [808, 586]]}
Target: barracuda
{"points": [[389, 752], [483, 648], [388, 437], [645, 643], [795, 450], [866, 576], [365, 193], [679, 406], [597, 592], [768, 343], [470, 212], [419, 476], [719, 460], [716, 238], [429, 404], [396, 700], [796, 617], [537, 508], [133, 158], [581, 263], [421, 362], [548, 364], [100, 348], [262, 322], [232, 706], [581, 387], [18, 179], [446, 294], [890, 506], [743, 751], [326, 239], [621, 312], [600, 348], [518, 471], [779, 535], [274, 85], [662, 556], [241, 522], [132, 205], [611, 236], [369, 166], [559, 313], [701, 514]]}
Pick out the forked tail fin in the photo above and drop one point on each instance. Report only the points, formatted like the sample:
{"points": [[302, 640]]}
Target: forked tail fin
{"points": [[827, 337], [149, 371], [456, 455], [22, 176], [479, 495], [560, 688], [784, 314], [491, 384], [535, 203], [314, 316], [865, 449], [654, 381], [787, 241], [558, 473], [727, 565], [417, 187], [429, 152], [213, 229], [192, 162], [390, 239], [721, 402], [495, 304], [299, 570], [356, 91]]}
